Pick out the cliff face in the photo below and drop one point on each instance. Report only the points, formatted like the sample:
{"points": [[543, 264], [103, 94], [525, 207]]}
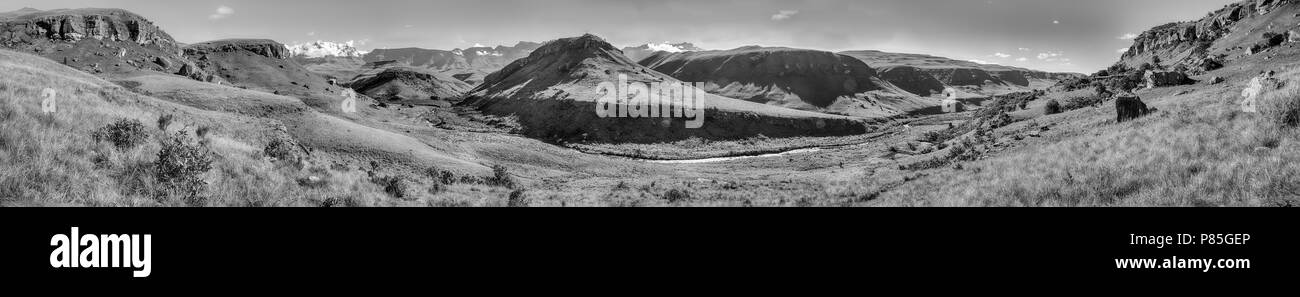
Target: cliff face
{"points": [[262, 47], [72, 25]]}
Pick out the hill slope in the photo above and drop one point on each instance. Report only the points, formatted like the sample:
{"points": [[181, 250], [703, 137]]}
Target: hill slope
{"points": [[982, 79], [470, 65], [263, 65], [405, 83], [554, 93]]}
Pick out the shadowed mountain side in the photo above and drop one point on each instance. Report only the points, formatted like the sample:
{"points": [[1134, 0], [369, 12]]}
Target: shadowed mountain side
{"points": [[976, 78], [912, 80], [794, 78], [554, 92]]}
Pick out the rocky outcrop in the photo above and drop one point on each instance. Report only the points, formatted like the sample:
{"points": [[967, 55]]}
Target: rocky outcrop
{"points": [[1193, 40], [263, 47], [101, 41], [73, 25]]}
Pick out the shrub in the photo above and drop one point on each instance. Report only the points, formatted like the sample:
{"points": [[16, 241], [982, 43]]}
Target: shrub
{"points": [[677, 195], [442, 176], [123, 134], [164, 121], [283, 149], [1052, 107], [500, 177], [437, 188], [1082, 101], [518, 199], [1281, 107], [180, 162], [395, 186]]}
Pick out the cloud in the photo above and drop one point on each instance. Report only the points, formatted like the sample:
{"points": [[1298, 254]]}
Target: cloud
{"points": [[1122, 50], [1056, 22], [1001, 55], [1049, 56], [1024, 49], [979, 61], [784, 15], [1022, 59], [311, 33], [408, 26], [222, 12], [1128, 36]]}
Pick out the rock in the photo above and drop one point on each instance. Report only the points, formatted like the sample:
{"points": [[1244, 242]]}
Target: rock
{"points": [[1129, 107], [186, 70], [1155, 79], [162, 62], [1209, 64], [1216, 80], [1292, 36]]}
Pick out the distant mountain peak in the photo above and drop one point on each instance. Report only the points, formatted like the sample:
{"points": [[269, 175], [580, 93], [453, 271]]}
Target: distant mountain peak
{"points": [[321, 49]]}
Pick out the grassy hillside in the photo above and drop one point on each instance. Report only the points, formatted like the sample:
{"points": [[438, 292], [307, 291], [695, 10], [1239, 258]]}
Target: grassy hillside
{"points": [[57, 160], [1199, 149]]}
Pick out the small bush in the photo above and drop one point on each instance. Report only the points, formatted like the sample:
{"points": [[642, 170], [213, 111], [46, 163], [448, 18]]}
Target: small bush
{"points": [[179, 166], [1082, 101], [1052, 107], [518, 199], [283, 149], [442, 176], [500, 177], [395, 186], [123, 134], [1281, 107], [437, 188], [164, 121], [677, 195]]}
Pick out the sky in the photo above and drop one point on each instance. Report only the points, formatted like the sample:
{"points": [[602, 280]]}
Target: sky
{"points": [[1054, 35]]}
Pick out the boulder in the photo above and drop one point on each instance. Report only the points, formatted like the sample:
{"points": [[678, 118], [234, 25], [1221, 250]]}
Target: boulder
{"points": [[162, 62], [1216, 80], [1129, 107], [1155, 79]]}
